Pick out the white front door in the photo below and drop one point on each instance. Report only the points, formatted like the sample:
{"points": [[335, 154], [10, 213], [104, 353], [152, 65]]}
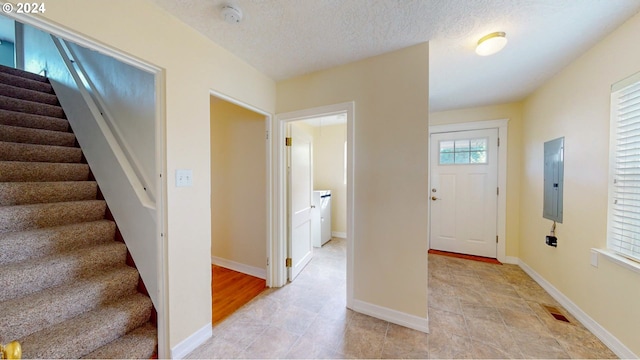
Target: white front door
{"points": [[464, 189], [300, 187]]}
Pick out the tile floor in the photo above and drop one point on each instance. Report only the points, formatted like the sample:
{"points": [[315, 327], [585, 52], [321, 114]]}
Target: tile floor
{"points": [[476, 310]]}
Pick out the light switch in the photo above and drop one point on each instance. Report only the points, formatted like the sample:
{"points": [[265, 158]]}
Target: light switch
{"points": [[184, 178], [594, 258]]}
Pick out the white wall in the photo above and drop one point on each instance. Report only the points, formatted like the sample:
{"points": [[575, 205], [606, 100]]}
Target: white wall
{"points": [[328, 170], [391, 93], [238, 187], [129, 94], [575, 104]]}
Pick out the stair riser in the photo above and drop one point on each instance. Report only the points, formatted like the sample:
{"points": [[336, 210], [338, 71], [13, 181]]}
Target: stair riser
{"points": [[139, 344], [22, 317], [30, 95], [25, 83], [28, 217], [27, 278], [14, 118], [30, 107], [39, 153], [87, 332], [28, 245], [36, 136], [23, 74], [23, 193], [34, 171]]}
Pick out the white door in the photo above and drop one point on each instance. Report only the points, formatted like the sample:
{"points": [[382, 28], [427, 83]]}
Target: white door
{"points": [[300, 187], [464, 192]]}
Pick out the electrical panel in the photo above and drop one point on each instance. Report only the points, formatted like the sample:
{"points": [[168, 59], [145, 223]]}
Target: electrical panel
{"points": [[553, 179]]}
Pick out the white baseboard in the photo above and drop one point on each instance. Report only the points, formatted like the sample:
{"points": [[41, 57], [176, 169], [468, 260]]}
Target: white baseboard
{"points": [[192, 342], [510, 260], [236, 266], [337, 234], [605, 336], [392, 316]]}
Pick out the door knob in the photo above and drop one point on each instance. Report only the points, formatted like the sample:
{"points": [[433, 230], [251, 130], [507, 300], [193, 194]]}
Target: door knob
{"points": [[313, 206], [434, 198]]}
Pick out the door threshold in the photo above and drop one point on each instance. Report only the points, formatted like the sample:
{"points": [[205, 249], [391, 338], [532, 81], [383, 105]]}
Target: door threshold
{"points": [[465, 256]]}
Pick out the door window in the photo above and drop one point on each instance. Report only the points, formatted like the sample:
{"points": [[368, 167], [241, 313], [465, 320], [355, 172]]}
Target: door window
{"points": [[463, 151]]}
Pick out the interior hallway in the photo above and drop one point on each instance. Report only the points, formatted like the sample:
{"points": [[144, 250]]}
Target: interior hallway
{"points": [[476, 310]]}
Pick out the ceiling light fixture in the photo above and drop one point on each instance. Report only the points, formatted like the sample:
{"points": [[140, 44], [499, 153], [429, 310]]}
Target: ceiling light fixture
{"points": [[231, 14], [491, 44]]}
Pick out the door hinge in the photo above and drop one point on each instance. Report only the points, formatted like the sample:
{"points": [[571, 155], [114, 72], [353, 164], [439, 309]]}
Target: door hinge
{"points": [[287, 141], [267, 137], [267, 261], [497, 191], [498, 142], [496, 239], [288, 262]]}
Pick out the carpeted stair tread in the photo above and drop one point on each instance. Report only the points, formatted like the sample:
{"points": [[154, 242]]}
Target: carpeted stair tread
{"points": [[16, 118], [30, 95], [87, 332], [141, 343], [25, 83], [36, 216], [31, 107], [24, 316], [25, 245], [29, 277], [40, 153], [42, 171], [23, 193], [24, 135], [22, 73]]}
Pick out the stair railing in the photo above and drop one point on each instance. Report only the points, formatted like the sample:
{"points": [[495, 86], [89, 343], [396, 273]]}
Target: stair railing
{"points": [[12, 350], [104, 119]]}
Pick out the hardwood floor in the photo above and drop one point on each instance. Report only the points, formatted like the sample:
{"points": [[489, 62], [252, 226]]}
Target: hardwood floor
{"points": [[230, 290]]}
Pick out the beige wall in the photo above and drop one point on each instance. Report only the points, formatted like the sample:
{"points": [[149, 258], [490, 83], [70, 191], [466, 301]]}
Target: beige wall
{"points": [[192, 66], [575, 104], [328, 170], [238, 184], [391, 93], [513, 112]]}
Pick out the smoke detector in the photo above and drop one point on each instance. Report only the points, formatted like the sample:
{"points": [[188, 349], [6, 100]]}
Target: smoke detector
{"points": [[231, 14]]}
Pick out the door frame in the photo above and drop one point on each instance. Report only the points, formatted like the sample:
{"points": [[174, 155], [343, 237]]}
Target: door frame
{"points": [[279, 253], [501, 125], [268, 194]]}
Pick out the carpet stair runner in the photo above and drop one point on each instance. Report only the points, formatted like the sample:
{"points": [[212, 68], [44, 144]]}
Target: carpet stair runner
{"points": [[66, 288]]}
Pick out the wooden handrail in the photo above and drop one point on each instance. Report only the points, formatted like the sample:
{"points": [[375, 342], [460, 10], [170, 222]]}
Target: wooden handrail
{"points": [[12, 350]]}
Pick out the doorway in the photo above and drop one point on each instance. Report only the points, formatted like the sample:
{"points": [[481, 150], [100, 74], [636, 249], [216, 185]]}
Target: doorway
{"points": [[467, 167], [282, 246], [240, 204]]}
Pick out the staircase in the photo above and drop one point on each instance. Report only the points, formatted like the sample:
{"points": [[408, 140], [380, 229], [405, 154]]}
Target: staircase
{"points": [[66, 290]]}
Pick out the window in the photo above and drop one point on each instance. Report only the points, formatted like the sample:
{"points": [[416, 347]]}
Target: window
{"points": [[623, 225], [466, 151]]}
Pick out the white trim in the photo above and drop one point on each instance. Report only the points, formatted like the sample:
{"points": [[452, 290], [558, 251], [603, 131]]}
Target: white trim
{"points": [[239, 267], [279, 169], [598, 330], [392, 316], [189, 344], [510, 260], [620, 260], [502, 126], [338, 234], [268, 273]]}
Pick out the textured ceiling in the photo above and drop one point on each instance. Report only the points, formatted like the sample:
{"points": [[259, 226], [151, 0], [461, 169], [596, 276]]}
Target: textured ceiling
{"points": [[287, 38]]}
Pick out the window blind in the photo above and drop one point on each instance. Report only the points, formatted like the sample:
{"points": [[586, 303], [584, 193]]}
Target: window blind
{"points": [[624, 184]]}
